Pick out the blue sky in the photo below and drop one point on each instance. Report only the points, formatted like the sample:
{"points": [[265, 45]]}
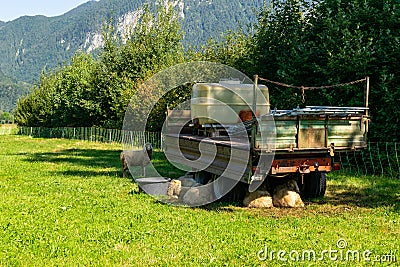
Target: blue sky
{"points": [[12, 9]]}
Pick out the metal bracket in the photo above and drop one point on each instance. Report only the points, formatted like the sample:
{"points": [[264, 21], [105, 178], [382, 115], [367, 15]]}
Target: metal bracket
{"points": [[332, 150]]}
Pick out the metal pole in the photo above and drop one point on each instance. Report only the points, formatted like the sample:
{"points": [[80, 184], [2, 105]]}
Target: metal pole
{"points": [[255, 94], [254, 123], [367, 97], [267, 99], [366, 105]]}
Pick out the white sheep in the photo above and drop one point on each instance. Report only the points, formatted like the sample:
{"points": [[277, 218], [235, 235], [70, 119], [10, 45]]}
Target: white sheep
{"points": [[130, 158], [287, 195], [258, 199]]}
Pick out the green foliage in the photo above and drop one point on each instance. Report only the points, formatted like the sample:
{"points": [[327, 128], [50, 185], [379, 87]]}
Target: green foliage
{"points": [[6, 117], [64, 97], [281, 51], [155, 44], [169, 101], [10, 91], [96, 92], [29, 44], [358, 39], [315, 43], [233, 50]]}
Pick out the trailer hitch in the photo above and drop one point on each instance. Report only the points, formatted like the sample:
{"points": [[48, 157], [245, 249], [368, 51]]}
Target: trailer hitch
{"points": [[304, 168]]}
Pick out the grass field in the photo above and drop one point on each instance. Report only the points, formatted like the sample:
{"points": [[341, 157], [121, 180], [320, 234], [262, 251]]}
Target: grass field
{"points": [[63, 202], [6, 129]]}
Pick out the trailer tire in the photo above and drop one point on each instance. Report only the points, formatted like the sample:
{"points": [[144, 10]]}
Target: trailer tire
{"points": [[315, 185], [322, 184]]}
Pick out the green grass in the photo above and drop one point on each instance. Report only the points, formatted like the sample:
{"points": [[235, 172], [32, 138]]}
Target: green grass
{"points": [[63, 202], [6, 129]]}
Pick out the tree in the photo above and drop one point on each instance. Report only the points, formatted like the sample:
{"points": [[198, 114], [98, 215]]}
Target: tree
{"points": [[62, 98], [128, 60], [360, 38], [280, 50], [96, 92], [233, 50], [326, 42]]}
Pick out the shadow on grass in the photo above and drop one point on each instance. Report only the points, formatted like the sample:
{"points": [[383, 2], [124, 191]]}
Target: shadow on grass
{"points": [[104, 162], [164, 167], [362, 191], [342, 190], [79, 157], [85, 163]]}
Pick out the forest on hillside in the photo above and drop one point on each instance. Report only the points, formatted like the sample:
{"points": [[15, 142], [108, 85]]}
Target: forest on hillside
{"points": [[10, 91], [32, 43], [299, 42]]}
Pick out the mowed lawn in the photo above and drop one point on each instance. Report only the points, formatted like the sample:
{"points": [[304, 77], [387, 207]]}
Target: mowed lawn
{"points": [[64, 202]]}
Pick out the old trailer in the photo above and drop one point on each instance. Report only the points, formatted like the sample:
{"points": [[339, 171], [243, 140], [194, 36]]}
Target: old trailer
{"points": [[277, 145]]}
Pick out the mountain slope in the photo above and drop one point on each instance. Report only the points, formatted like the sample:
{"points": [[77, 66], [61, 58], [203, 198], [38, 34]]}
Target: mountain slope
{"points": [[10, 91], [30, 44]]}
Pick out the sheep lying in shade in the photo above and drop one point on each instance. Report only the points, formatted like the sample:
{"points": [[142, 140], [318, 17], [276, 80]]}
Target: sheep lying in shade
{"points": [[179, 187], [287, 195], [188, 192], [258, 199], [130, 158]]}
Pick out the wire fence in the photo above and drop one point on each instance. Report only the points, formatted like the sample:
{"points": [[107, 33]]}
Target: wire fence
{"points": [[7, 129], [377, 159], [94, 134]]}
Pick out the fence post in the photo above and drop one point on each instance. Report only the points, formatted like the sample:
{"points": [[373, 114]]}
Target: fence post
{"points": [[131, 138], [388, 158], [370, 157], [134, 138], [364, 161], [161, 141]]}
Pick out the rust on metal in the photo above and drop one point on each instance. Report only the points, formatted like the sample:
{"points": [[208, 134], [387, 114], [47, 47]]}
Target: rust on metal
{"points": [[301, 165]]}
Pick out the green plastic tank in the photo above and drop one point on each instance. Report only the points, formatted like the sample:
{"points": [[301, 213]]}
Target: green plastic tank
{"points": [[210, 100]]}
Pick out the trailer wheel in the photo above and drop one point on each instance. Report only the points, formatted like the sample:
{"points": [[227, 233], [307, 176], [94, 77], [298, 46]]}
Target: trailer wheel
{"points": [[322, 184], [315, 185]]}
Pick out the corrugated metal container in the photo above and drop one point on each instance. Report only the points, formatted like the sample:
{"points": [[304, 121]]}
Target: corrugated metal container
{"points": [[278, 134], [209, 101], [346, 132], [312, 132]]}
